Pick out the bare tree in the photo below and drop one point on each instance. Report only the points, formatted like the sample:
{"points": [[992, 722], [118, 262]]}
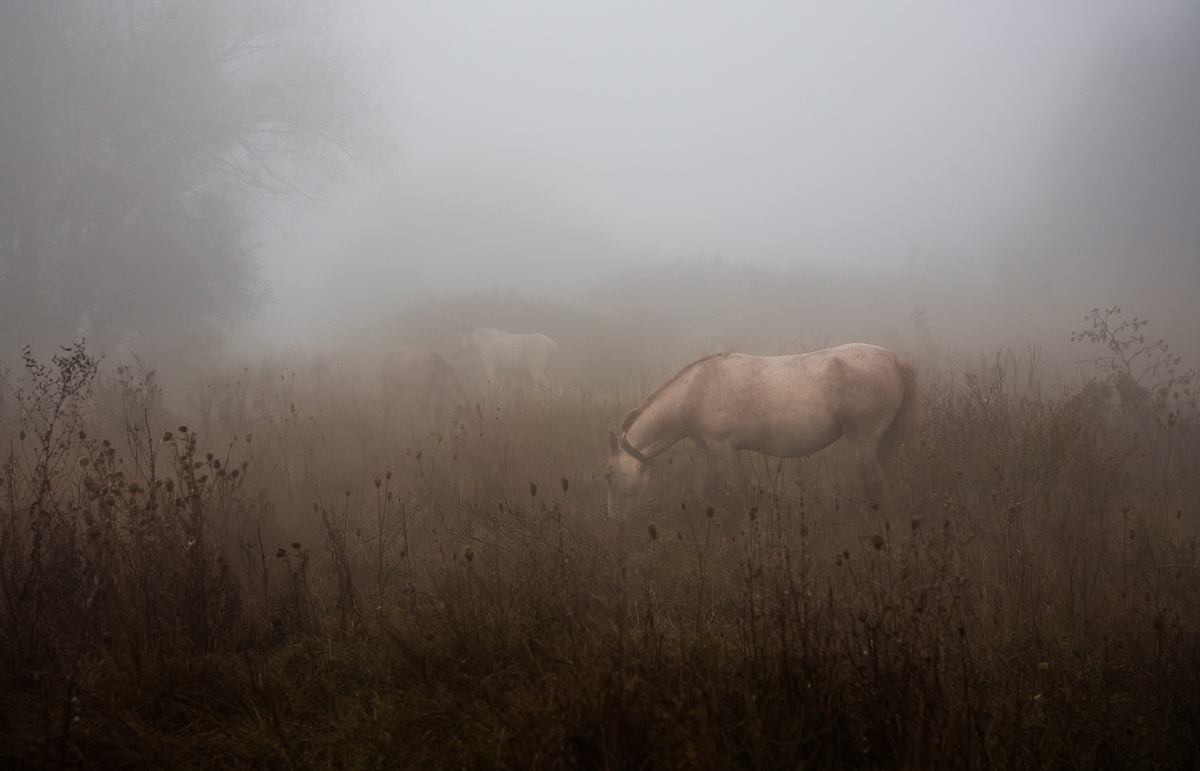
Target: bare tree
{"points": [[138, 142]]}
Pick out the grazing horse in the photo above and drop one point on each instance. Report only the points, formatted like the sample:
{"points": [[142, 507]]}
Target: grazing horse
{"points": [[510, 354], [425, 375], [787, 406]]}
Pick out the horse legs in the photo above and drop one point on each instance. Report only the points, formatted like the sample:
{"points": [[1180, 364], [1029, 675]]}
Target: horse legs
{"points": [[723, 480], [866, 460]]}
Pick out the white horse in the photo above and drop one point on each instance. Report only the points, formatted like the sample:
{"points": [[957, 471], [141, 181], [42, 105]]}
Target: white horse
{"points": [[787, 406], [420, 374], [513, 355]]}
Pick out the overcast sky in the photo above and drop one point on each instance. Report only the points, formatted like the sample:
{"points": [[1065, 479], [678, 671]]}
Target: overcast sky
{"points": [[542, 144]]}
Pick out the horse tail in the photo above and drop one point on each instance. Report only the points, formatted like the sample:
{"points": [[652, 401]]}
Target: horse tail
{"points": [[904, 425]]}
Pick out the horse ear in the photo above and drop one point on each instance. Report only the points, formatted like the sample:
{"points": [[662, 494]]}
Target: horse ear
{"points": [[613, 442]]}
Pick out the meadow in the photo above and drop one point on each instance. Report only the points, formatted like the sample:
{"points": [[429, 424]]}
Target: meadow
{"points": [[280, 570]]}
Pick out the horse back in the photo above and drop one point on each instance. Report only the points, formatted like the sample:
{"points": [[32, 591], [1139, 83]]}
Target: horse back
{"points": [[850, 385], [408, 367]]}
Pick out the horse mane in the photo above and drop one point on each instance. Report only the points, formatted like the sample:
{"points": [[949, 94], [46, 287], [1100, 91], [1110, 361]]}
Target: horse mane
{"points": [[627, 423]]}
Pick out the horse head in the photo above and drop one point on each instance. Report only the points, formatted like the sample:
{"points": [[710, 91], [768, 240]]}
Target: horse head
{"points": [[627, 473]]}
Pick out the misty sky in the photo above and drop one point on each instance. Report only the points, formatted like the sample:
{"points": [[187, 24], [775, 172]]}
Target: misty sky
{"points": [[541, 145]]}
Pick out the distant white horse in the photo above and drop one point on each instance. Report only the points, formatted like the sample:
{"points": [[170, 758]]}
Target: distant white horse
{"points": [[420, 374], [510, 354], [786, 406]]}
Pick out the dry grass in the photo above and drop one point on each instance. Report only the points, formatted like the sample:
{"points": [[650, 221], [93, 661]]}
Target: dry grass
{"points": [[334, 586]]}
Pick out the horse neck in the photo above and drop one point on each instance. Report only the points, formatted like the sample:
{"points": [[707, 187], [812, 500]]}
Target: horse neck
{"points": [[660, 423]]}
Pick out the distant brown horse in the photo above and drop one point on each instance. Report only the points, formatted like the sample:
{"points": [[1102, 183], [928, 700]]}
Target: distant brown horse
{"points": [[786, 406], [421, 375]]}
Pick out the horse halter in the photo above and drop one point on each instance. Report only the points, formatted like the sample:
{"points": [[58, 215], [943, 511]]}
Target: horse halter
{"points": [[629, 448]]}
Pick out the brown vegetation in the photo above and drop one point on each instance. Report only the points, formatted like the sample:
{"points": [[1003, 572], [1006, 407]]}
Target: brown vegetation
{"points": [[327, 588]]}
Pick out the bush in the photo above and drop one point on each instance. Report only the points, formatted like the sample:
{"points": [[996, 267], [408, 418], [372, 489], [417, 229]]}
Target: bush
{"points": [[1025, 597]]}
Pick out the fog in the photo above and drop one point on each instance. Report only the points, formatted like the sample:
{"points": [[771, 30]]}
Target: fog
{"points": [[1010, 166], [345, 384], [995, 170]]}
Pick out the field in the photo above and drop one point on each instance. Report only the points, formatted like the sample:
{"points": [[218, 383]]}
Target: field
{"points": [[303, 577]]}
